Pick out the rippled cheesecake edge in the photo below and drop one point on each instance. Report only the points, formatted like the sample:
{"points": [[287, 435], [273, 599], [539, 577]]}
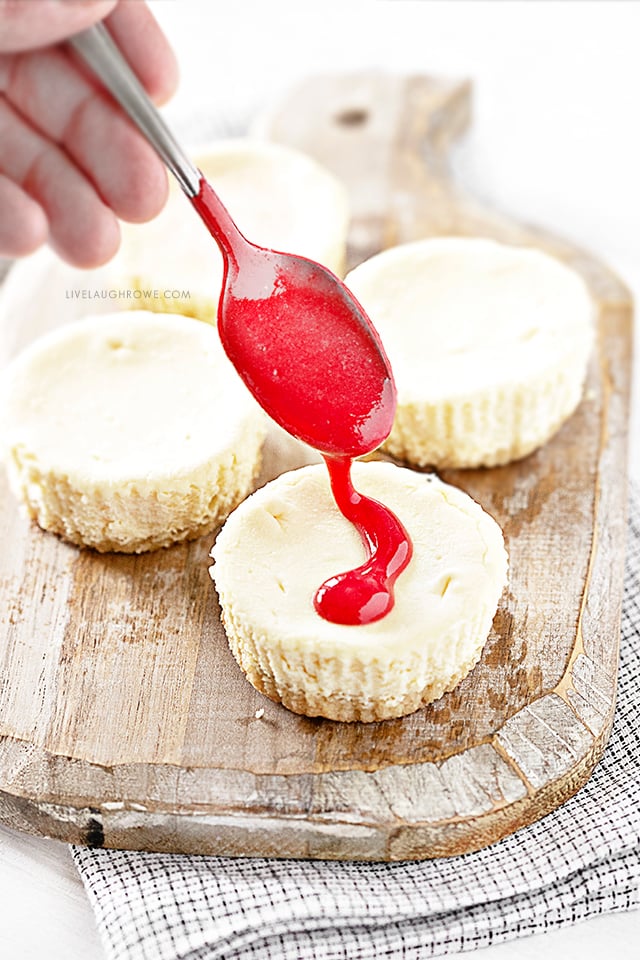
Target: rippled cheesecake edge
{"points": [[503, 424], [135, 517], [349, 688]]}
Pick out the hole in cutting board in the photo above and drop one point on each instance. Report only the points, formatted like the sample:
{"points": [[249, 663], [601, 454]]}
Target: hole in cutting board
{"points": [[353, 117]]}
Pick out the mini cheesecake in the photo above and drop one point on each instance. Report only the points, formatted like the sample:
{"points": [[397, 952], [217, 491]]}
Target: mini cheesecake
{"points": [[128, 432], [279, 198], [285, 540], [489, 346]]}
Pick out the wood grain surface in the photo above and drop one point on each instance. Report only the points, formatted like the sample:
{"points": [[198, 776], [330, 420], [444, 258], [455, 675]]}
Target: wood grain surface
{"points": [[124, 720]]}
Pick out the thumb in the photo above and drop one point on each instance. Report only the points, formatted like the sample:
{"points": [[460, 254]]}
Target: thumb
{"points": [[25, 26]]}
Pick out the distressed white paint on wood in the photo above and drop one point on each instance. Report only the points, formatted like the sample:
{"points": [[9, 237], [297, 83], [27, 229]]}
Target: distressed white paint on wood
{"points": [[463, 786], [545, 739], [592, 693]]}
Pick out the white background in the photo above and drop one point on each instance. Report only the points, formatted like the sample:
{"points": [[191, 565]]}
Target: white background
{"points": [[555, 141]]}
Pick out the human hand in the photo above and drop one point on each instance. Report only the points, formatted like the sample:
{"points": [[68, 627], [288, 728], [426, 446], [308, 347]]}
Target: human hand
{"points": [[71, 163]]}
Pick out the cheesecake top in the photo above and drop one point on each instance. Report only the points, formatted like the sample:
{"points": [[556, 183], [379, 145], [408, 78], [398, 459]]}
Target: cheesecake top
{"points": [[131, 396], [282, 542], [460, 315]]}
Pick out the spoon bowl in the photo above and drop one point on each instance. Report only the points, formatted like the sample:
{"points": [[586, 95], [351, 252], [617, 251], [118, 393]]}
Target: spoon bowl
{"points": [[301, 342], [307, 352]]}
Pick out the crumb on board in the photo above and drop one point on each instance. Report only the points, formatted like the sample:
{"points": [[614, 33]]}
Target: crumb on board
{"points": [[259, 714]]}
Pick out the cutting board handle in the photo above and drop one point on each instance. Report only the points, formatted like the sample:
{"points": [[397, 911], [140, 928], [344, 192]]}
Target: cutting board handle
{"points": [[432, 113], [388, 137]]}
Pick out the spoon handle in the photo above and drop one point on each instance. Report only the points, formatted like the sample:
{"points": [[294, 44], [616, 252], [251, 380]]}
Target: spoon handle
{"points": [[99, 51]]}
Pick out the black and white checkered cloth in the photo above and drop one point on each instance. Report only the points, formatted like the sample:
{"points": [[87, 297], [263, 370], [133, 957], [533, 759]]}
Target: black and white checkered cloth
{"points": [[581, 860]]}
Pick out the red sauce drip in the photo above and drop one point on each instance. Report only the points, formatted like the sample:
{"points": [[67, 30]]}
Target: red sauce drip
{"points": [[311, 357], [366, 593]]}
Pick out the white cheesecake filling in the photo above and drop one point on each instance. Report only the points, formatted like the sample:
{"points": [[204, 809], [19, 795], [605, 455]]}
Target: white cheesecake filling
{"points": [[489, 345], [286, 539], [114, 428]]}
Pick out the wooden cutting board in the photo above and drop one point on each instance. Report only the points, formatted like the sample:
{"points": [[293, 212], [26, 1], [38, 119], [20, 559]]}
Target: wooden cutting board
{"points": [[124, 720]]}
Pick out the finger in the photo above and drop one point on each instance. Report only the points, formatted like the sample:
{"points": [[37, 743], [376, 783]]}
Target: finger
{"points": [[82, 229], [47, 89], [23, 224], [146, 49], [53, 21]]}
